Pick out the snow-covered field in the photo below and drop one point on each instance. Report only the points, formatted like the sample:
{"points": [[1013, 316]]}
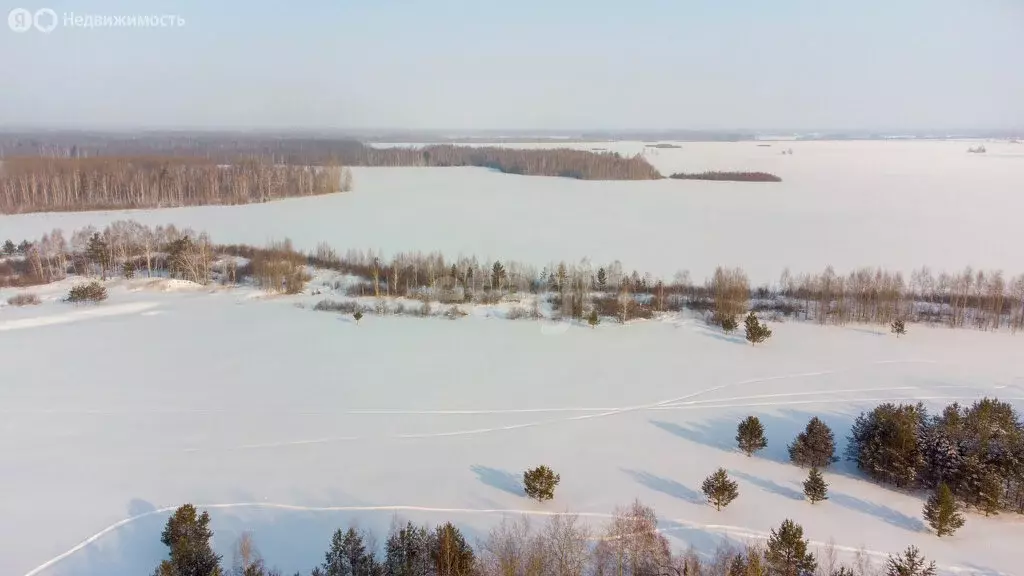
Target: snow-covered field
{"points": [[896, 204], [292, 423]]}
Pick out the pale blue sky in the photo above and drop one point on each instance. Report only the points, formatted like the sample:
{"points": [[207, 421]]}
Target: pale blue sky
{"points": [[527, 64]]}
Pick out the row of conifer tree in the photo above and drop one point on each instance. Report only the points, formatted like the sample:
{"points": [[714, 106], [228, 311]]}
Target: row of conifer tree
{"points": [[631, 543]]}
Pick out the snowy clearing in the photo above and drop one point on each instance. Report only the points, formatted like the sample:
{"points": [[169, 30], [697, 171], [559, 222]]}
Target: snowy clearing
{"points": [[292, 423], [897, 204]]}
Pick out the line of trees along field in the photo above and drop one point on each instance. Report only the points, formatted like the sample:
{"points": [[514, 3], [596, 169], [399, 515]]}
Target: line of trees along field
{"points": [[629, 544], [985, 300], [62, 184], [309, 151]]}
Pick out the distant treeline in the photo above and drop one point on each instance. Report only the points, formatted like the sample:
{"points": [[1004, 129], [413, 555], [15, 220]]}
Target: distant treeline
{"points": [[320, 151], [41, 184], [728, 176], [985, 300]]}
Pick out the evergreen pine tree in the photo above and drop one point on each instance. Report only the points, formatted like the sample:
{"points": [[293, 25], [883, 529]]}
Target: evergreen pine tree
{"points": [[815, 487], [750, 435], [408, 551], [9, 248], [602, 278], [188, 535], [815, 446], [347, 556], [990, 494], [738, 566], [358, 315], [719, 489], [497, 275], [898, 327], [886, 443], [756, 332], [729, 324], [96, 252], [593, 319], [942, 513], [786, 553], [540, 482], [909, 563]]}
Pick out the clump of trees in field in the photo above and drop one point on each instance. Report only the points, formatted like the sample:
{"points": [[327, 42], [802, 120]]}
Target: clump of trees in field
{"points": [[630, 543], [90, 292], [976, 452], [727, 176], [128, 249], [65, 184]]}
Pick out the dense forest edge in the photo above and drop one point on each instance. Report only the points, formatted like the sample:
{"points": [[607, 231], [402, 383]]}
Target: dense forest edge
{"points": [[46, 184], [29, 164]]}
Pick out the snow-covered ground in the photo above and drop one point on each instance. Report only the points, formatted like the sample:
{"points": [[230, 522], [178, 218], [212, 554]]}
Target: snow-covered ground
{"points": [[292, 423], [896, 204]]}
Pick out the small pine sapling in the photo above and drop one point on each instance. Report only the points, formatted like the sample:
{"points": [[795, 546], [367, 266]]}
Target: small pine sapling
{"points": [[756, 332], [942, 512], [898, 327], [815, 487], [358, 315], [750, 435], [729, 324], [719, 489], [593, 319]]}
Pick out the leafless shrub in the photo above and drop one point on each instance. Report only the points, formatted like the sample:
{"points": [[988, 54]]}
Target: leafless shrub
{"points": [[454, 313], [425, 310], [279, 268], [488, 297], [24, 299], [342, 306], [517, 313]]}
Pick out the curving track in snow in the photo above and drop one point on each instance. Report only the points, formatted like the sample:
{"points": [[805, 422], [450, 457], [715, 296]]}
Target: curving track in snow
{"points": [[682, 522], [677, 403]]}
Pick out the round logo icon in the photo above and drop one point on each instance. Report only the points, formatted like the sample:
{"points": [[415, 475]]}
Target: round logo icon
{"points": [[20, 20], [45, 20]]}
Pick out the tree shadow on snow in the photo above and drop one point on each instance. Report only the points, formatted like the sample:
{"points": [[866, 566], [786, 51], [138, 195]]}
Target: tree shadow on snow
{"points": [[702, 433], [500, 479], [129, 550], [717, 335], [703, 542], [768, 485], [880, 511], [666, 486], [290, 540], [780, 429], [983, 570]]}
